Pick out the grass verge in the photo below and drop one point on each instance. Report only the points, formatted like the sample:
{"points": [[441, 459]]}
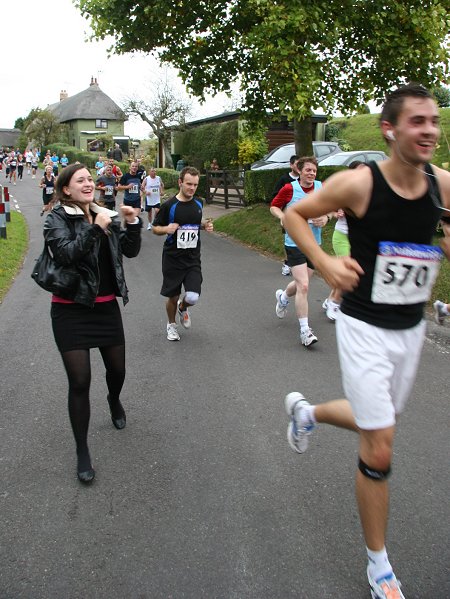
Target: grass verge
{"points": [[12, 251], [256, 227]]}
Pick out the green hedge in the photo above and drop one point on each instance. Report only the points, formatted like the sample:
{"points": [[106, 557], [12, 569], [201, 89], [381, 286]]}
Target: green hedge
{"points": [[169, 177], [198, 146], [259, 184]]}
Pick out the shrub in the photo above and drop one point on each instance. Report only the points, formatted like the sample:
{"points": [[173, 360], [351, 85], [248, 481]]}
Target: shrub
{"points": [[169, 177], [259, 184], [252, 147], [201, 144]]}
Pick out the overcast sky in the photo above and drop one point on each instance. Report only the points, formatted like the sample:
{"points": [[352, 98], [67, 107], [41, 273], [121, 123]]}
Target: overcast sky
{"points": [[45, 51]]}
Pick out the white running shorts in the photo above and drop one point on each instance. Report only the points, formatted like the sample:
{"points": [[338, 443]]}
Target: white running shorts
{"points": [[378, 369]]}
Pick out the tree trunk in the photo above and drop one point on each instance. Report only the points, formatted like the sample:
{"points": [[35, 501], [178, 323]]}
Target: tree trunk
{"points": [[303, 137]]}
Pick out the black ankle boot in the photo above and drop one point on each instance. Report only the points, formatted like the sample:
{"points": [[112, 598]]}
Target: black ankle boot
{"points": [[118, 416]]}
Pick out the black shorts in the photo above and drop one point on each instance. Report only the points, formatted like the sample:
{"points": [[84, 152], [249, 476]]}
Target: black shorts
{"points": [[148, 208], [294, 257], [175, 276], [133, 203]]}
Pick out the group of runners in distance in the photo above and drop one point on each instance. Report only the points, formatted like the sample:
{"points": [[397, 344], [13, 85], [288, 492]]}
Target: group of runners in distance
{"points": [[380, 280]]}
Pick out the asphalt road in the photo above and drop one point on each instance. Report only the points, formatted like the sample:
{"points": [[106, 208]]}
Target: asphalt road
{"points": [[200, 496]]}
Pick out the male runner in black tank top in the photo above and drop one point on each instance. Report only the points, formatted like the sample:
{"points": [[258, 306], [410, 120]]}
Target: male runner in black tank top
{"points": [[392, 214]]}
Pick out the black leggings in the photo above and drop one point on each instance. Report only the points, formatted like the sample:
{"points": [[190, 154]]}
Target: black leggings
{"points": [[78, 368]]}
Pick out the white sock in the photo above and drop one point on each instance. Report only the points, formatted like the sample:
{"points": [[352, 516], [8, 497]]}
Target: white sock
{"points": [[303, 323], [379, 566], [284, 298], [306, 416]]}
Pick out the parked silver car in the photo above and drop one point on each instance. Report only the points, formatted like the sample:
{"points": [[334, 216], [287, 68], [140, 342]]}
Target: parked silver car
{"points": [[346, 158], [279, 157]]}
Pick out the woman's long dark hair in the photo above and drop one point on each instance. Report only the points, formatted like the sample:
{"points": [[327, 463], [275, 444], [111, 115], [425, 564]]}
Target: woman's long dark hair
{"points": [[64, 179]]}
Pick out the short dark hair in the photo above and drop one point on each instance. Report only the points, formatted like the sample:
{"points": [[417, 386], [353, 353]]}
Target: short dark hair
{"points": [[189, 170], [393, 103], [355, 164], [304, 159], [293, 158]]}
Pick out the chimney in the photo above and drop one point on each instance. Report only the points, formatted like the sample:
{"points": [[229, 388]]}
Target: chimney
{"points": [[63, 95], [95, 80], [92, 81]]}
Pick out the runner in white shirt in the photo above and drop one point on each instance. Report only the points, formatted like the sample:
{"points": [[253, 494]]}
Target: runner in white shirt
{"points": [[153, 188]]}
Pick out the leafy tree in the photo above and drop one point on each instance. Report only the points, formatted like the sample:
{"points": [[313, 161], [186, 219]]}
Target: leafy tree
{"points": [[164, 111], [19, 123], [290, 56], [442, 95], [41, 128]]}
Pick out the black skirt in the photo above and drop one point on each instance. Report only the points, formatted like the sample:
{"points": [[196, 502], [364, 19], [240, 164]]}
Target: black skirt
{"points": [[76, 326]]}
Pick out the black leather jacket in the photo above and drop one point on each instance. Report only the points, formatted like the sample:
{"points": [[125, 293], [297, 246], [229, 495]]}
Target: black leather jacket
{"points": [[75, 243]]}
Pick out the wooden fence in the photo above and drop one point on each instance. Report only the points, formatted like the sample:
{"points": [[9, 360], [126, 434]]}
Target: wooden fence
{"points": [[225, 187]]}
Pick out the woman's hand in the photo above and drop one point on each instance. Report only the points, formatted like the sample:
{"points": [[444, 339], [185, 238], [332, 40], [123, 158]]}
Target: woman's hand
{"points": [[128, 213], [103, 220]]}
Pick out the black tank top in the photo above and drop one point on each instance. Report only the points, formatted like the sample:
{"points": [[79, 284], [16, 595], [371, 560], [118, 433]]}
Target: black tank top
{"points": [[389, 217]]}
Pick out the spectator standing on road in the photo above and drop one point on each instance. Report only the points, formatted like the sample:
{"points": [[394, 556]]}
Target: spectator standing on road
{"points": [[392, 210], [87, 243], [302, 268], [293, 175], [180, 218], [117, 153], [153, 188]]}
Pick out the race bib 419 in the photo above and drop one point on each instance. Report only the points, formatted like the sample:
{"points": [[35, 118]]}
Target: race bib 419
{"points": [[187, 237]]}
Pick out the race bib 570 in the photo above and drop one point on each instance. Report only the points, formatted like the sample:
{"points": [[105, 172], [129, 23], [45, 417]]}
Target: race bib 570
{"points": [[405, 272]]}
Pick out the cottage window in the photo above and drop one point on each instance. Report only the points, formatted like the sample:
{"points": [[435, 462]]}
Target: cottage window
{"points": [[101, 124]]}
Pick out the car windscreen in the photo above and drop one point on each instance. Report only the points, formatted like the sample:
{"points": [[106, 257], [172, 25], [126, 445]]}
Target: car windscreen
{"points": [[335, 160], [282, 154]]}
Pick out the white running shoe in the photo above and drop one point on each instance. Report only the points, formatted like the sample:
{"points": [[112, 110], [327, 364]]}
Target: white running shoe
{"points": [[385, 588], [325, 304], [149, 227], [286, 270], [439, 315], [307, 337], [185, 319], [297, 434], [172, 332], [333, 310], [280, 308]]}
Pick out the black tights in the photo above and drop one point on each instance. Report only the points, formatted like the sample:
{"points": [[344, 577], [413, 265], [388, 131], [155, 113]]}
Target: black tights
{"points": [[78, 368]]}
